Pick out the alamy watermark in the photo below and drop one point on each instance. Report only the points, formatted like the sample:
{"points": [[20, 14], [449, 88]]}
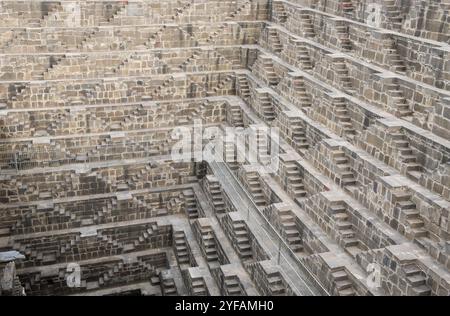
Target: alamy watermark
{"points": [[374, 276], [374, 14], [253, 145], [73, 275]]}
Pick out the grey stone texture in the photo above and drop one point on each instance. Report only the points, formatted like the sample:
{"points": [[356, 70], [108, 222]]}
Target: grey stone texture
{"points": [[91, 94]]}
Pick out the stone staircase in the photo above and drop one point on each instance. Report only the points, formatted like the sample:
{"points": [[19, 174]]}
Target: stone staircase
{"points": [[245, 6], [190, 204], [55, 62], [196, 285], [139, 176], [96, 151], [342, 284], [344, 170], [255, 189], [119, 69], [263, 147], [233, 61], [343, 35], [55, 7], [17, 94], [104, 278], [304, 58], [274, 41], [415, 226], [130, 119], [237, 119], [216, 196], [84, 44], [151, 42], [231, 156], [345, 229], [219, 89], [110, 183], [289, 230], [73, 243], [157, 93], [181, 249], [140, 64], [95, 122], [110, 207], [182, 67], [306, 25], [406, 156], [87, 220], [398, 103], [66, 186], [173, 205], [22, 125], [59, 122], [279, 12], [275, 284], [26, 189], [35, 95], [266, 109], [303, 99], [118, 10], [109, 241], [268, 278], [208, 244], [417, 279], [269, 70], [244, 87], [117, 273], [343, 76], [194, 114], [39, 254], [299, 140], [140, 203], [393, 57], [7, 231], [85, 198], [232, 286], [179, 12], [394, 15], [347, 8], [167, 284], [242, 240], [191, 39], [145, 237], [294, 182], [343, 117], [212, 37]]}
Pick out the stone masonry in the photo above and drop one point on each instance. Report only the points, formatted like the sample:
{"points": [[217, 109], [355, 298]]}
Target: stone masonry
{"points": [[95, 95]]}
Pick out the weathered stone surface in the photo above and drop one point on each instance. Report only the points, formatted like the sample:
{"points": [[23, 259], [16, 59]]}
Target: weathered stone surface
{"points": [[94, 97]]}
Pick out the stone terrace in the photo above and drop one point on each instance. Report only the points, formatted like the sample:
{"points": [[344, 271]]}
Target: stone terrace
{"points": [[92, 98]]}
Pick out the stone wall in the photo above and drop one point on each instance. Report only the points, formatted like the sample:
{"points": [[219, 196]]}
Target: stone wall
{"points": [[412, 17]]}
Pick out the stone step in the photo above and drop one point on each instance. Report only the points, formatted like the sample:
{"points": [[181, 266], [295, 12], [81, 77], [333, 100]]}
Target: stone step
{"points": [[422, 290], [350, 242], [343, 225], [411, 213], [415, 223], [416, 280], [343, 285], [411, 270], [413, 167], [348, 182], [340, 275]]}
